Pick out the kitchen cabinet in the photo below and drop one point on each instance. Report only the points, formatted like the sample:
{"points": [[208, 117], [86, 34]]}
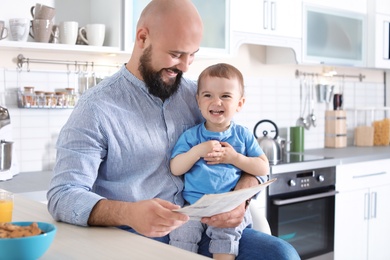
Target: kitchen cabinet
{"points": [[270, 17], [362, 213], [215, 17], [378, 55], [331, 36]]}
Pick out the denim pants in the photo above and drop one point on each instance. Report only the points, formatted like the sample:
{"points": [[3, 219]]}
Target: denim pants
{"points": [[254, 245]]}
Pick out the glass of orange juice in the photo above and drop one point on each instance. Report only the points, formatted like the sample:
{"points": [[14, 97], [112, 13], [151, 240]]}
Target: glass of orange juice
{"points": [[6, 206]]}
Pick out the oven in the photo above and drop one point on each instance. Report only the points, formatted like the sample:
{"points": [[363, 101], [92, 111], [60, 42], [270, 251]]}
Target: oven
{"points": [[300, 210]]}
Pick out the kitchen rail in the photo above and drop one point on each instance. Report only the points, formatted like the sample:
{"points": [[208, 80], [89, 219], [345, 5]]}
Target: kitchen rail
{"points": [[77, 64]]}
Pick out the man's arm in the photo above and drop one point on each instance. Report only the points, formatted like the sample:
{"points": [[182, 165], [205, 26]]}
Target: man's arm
{"points": [[151, 218]]}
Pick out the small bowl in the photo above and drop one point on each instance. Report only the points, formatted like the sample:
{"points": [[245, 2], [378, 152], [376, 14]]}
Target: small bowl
{"points": [[28, 247]]}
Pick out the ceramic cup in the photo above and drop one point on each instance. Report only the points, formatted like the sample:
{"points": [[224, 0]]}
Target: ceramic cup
{"points": [[68, 32], [297, 137], [3, 30], [40, 11], [41, 30], [95, 34], [19, 28]]}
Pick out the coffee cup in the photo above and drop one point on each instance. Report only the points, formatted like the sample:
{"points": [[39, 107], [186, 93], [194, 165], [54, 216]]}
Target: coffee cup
{"points": [[68, 32], [41, 30], [19, 29], [3, 30], [40, 11], [95, 34]]}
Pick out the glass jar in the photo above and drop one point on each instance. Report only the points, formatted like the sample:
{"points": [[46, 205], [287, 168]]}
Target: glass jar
{"points": [[61, 99], [71, 97], [51, 99], [40, 99], [28, 97]]}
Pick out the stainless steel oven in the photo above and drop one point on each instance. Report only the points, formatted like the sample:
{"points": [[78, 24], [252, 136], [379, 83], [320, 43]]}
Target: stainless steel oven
{"points": [[300, 210]]}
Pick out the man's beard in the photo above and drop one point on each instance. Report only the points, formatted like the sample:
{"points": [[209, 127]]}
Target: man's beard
{"points": [[153, 79]]}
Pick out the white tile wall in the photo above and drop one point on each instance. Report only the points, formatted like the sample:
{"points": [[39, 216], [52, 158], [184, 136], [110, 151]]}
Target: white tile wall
{"points": [[276, 98]]}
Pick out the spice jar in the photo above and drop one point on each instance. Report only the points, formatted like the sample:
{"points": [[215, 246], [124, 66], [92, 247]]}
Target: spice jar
{"points": [[28, 96], [51, 99], [61, 99], [40, 98], [71, 97]]}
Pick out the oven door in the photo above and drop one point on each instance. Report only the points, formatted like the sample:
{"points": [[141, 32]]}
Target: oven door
{"points": [[305, 220]]}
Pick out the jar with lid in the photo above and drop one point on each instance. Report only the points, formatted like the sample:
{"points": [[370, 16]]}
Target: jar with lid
{"points": [[61, 99], [40, 98], [71, 97], [51, 99], [28, 96]]}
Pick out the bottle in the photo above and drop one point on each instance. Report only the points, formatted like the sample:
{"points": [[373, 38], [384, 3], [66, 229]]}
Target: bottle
{"points": [[71, 97], [51, 100], [40, 99], [61, 99], [28, 96]]}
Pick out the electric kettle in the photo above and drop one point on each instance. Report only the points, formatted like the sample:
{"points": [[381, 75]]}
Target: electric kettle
{"points": [[272, 147]]}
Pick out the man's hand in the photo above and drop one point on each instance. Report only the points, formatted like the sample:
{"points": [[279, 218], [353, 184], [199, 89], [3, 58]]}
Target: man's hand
{"points": [[236, 216], [229, 219], [151, 218], [155, 218]]}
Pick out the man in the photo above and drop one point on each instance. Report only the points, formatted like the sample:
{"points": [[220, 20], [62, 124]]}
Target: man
{"points": [[113, 154]]}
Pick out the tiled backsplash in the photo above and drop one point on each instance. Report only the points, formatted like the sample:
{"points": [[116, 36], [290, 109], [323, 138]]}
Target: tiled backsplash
{"points": [[35, 131]]}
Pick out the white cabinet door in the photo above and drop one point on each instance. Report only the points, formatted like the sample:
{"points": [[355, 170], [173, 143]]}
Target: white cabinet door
{"points": [[351, 227], [362, 212], [379, 225], [273, 17]]}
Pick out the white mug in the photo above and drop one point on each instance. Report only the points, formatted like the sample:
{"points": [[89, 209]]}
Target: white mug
{"points": [[95, 34], [19, 28], [68, 32]]}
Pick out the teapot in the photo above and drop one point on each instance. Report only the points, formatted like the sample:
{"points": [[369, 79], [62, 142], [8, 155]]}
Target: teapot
{"points": [[272, 147]]}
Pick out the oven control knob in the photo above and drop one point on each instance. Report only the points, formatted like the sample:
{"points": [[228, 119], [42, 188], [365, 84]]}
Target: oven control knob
{"points": [[292, 183], [321, 178]]}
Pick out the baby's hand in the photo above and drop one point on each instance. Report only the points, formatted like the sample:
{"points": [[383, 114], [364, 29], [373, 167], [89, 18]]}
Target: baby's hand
{"points": [[206, 148], [224, 154]]}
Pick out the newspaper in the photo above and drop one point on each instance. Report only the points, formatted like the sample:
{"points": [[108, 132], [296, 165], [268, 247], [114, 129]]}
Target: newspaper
{"points": [[213, 204]]}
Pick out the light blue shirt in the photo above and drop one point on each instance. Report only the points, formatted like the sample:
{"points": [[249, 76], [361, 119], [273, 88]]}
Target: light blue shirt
{"points": [[204, 178], [117, 145]]}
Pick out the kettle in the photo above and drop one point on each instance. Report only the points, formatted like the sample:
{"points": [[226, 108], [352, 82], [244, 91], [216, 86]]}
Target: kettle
{"points": [[272, 147]]}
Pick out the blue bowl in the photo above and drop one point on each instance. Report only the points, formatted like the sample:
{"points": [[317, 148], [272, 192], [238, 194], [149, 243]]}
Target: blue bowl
{"points": [[27, 248]]}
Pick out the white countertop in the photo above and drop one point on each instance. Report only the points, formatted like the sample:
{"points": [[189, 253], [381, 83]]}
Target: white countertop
{"points": [[74, 242]]}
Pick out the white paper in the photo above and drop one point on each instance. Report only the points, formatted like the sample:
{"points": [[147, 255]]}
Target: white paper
{"points": [[213, 204]]}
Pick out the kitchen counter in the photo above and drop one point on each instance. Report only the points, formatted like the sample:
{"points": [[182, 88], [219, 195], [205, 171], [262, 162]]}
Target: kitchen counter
{"points": [[74, 242], [335, 156]]}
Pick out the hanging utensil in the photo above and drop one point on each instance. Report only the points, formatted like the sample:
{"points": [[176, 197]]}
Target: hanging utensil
{"points": [[301, 121], [312, 116]]}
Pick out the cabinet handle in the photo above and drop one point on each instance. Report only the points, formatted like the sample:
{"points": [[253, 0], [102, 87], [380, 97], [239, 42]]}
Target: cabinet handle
{"points": [[265, 15], [368, 175], [373, 204], [273, 16], [366, 205]]}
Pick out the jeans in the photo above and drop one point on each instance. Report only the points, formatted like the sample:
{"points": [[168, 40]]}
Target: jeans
{"points": [[253, 245]]}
